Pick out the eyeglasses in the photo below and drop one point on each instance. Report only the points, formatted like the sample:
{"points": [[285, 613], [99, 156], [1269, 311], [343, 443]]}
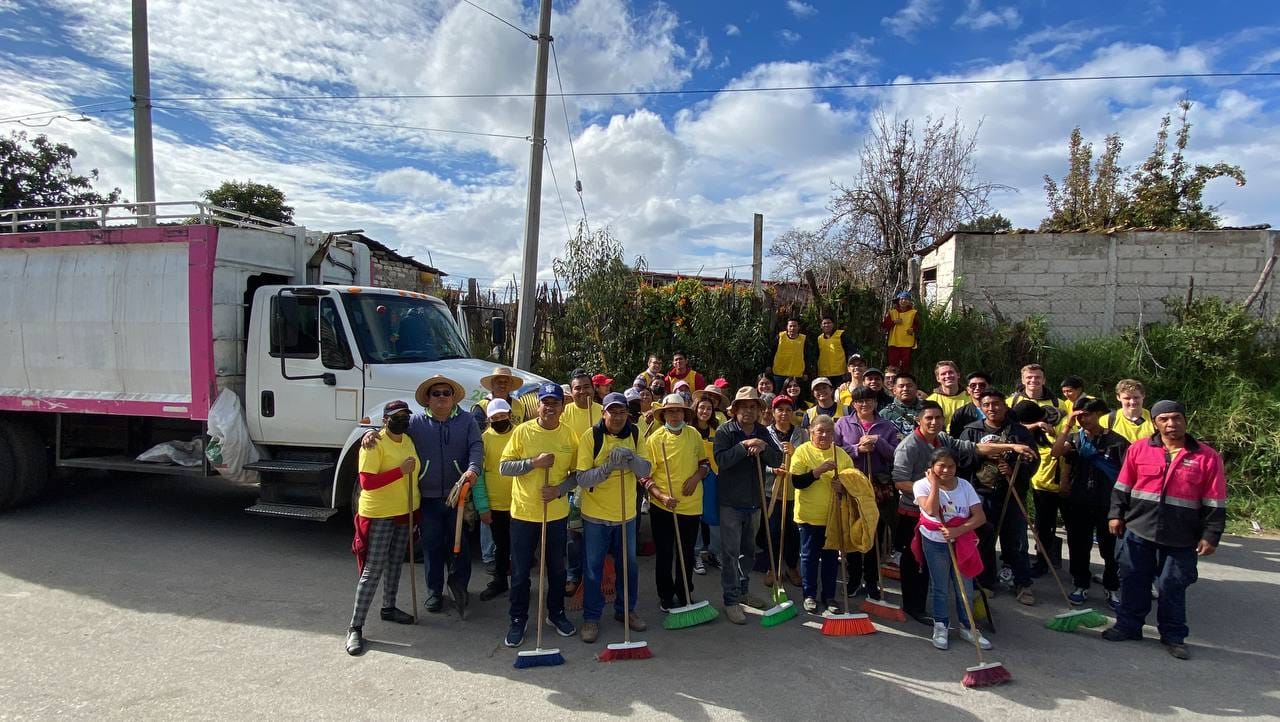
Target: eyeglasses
{"points": [[979, 385], [442, 394]]}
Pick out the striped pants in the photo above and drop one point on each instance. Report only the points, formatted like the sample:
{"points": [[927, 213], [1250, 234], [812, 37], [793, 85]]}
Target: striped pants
{"points": [[387, 543]]}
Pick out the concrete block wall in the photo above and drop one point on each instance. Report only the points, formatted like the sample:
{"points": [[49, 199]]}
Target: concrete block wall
{"points": [[388, 273], [1095, 284]]}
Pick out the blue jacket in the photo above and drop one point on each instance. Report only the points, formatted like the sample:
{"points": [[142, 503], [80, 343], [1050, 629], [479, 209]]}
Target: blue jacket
{"points": [[441, 445]]}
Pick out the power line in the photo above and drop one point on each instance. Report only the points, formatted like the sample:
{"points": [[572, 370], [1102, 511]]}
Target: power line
{"points": [[343, 122], [60, 110], [568, 230], [713, 91], [564, 106], [504, 21]]}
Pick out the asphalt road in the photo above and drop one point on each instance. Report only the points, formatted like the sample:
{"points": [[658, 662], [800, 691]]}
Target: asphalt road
{"points": [[159, 598]]}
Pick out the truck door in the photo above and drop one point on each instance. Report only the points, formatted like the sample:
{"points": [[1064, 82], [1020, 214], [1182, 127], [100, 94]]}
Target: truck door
{"points": [[309, 382]]}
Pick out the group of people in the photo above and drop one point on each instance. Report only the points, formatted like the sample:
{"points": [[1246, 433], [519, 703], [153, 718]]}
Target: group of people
{"points": [[563, 474]]}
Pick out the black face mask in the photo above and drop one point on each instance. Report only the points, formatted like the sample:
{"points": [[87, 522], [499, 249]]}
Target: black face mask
{"points": [[501, 426], [398, 425]]}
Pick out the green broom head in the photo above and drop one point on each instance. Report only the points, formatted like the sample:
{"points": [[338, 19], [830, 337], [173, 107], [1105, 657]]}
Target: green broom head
{"points": [[778, 594], [539, 658], [690, 615], [1073, 620], [777, 614]]}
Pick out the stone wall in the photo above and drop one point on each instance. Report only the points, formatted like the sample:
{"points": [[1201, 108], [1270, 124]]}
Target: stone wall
{"points": [[1089, 284], [390, 273]]}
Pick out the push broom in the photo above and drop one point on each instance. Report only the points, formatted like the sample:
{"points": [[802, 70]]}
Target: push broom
{"points": [[413, 581], [539, 657], [880, 608], [780, 591], [984, 674], [628, 649], [692, 613], [1072, 619], [783, 608], [843, 624]]}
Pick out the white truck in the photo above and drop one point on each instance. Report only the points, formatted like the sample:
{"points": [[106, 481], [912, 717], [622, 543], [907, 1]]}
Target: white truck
{"points": [[116, 336]]}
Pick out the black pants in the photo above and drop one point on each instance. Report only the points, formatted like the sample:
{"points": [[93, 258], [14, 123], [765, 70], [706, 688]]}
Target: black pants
{"points": [[1084, 521], [501, 531], [914, 576], [662, 524], [1047, 505]]}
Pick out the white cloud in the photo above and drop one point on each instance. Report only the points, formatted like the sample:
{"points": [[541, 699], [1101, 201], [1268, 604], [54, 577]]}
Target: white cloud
{"points": [[976, 18], [731, 30], [913, 16], [789, 36], [801, 9]]}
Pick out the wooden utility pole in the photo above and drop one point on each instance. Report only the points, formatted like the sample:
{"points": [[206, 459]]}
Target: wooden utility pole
{"points": [[757, 253], [144, 175]]}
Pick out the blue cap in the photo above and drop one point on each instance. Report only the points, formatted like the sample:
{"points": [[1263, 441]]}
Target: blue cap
{"points": [[904, 294], [614, 398], [550, 390]]}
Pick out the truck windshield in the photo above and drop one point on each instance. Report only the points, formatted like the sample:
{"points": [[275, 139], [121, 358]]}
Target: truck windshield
{"points": [[402, 329]]}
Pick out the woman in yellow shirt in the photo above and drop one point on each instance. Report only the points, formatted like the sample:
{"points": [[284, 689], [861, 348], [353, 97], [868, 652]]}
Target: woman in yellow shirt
{"points": [[813, 473], [679, 466], [388, 497], [497, 433]]}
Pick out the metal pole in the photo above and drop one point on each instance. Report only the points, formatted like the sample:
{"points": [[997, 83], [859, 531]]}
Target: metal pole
{"points": [[757, 252], [143, 163], [533, 203]]}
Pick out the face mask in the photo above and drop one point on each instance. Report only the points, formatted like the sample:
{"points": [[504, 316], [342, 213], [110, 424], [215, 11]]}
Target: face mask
{"points": [[501, 426], [674, 428], [397, 426]]}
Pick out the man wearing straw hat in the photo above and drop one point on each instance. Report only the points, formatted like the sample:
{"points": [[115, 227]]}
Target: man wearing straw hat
{"points": [[501, 384], [451, 451], [743, 447]]}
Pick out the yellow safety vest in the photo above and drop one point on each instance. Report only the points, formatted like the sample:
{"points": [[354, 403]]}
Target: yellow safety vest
{"points": [[902, 322], [788, 360], [831, 361]]}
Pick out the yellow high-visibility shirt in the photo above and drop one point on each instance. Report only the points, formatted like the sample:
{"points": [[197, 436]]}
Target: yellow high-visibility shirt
{"points": [[902, 323], [603, 501], [684, 451], [392, 499], [528, 441], [950, 405], [788, 360], [1130, 431], [831, 358], [813, 503], [498, 486]]}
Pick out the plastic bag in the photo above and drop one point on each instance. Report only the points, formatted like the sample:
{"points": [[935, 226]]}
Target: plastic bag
{"points": [[182, 453], [229, 445]]}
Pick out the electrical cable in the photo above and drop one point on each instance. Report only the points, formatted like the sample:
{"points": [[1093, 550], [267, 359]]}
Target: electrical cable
{"points": [[564, 106], [504, 21], [343, 122], [547, 152]]}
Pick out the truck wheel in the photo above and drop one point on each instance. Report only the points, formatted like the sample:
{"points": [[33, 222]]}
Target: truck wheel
{"points": [[9, 485], [31, 465]]}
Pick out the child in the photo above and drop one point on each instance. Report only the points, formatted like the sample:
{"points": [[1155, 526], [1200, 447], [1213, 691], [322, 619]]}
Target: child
{"points": [[813, 473], [903, 324], [1131, 420]]}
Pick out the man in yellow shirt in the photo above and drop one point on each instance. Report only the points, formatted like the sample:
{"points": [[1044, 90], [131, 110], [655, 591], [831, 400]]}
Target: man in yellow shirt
{"points": [[833, 349], [495, 438], [813, 473], [857, 366], [1131, 420], [788, 358], [903, 324], [501, 384], [539, 458], [948, 393], [578, 416], [613, 459], [679, 466]]}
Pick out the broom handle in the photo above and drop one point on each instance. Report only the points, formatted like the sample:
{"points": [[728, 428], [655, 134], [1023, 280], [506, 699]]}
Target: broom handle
{"points": [[458, 517], [768, 533], [1043, 552], [844, 568], [675, 521], [964, 596], [782, 518], [413, 581], [875, 538], [1013, 480], [542, 561], [626, 576]]}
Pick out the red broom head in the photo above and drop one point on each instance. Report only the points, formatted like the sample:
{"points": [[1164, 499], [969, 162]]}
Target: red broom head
{"points": [[988, 674], [622, 652], [884, 611], [847, 625], [888, 571]]}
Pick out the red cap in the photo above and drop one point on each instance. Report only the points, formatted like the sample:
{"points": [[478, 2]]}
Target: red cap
{"points": [[601, 380], [781, 400], [721, 383]]}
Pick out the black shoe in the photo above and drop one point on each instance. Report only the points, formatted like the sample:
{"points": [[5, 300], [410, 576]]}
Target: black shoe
{"points": [[873, 593], [395, 615], [562, 625], [493, 590], [355, 642], [1115, 634], [515, 633], [1039, 569], [922, 618], [461, 597], [1176, 650], [490, 568], [435, 603]]}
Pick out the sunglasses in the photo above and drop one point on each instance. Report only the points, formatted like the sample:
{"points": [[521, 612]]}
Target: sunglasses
{"points": [[978, 385], [442, 393], [399, 416]]}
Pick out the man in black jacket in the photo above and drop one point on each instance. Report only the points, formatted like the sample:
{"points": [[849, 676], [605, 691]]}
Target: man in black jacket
{"points": [[977, 382], [990, 478], [742, 448]]}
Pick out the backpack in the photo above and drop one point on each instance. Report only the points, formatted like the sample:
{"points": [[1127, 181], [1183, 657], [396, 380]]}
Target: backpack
{"points": [[597, 435]]}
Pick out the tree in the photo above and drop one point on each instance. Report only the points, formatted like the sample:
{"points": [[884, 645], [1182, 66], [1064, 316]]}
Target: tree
{"points": [[1090, 196], [912, 189], [601, 290], [37, 173], [986, 224], [257, 199]]}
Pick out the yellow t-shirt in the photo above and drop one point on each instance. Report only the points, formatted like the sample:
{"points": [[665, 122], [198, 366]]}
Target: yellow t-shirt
{"points": [[1130, 431], [517, 410], [579, 420], [814, 502], [1046, 476], [788, 360], [684, 451], [950, 405], [708, 448], [831, 359], [603, 501], [498, 486], [902, 323], [389, 500], [527, 441]]}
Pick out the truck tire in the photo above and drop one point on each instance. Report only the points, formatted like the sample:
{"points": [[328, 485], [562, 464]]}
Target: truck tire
{"points": [[31, 463], [9, 485]]}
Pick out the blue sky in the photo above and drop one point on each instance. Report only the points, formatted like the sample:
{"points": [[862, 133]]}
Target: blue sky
{"points": [[677, 177]]}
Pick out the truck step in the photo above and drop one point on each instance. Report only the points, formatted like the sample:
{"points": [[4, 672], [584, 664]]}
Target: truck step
{"points": [[292, 511], [291, 466]]}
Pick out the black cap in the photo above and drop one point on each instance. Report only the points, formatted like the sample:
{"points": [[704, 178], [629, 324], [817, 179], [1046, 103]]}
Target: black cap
{"points": [[394, 406], [1027, 411], [1090, 405]]}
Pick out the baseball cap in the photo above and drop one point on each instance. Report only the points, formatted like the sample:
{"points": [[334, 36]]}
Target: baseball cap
{"points": [[1091, 405], [782, 400], [614, 397], [550, 390], [601, 380], [818, 382], [721, 383], [497, 406], [873, 371], [904, 294], [631, 394], [394, 406], [854, 357]]}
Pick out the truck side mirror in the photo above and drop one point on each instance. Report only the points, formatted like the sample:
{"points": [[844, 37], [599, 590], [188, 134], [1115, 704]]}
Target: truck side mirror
{"points": [[498, 331]]}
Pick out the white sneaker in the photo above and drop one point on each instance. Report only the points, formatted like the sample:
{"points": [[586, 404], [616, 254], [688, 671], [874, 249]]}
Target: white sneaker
{"points": [[967, 635], [940, 637]]}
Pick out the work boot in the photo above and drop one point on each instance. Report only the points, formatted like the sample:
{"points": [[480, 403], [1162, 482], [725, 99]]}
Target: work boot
{"points": [[391, 614], [734, 613], [1115, 634], [493, 590], [768, 578], [1176, 649], [634, 621], [793, 576], [355, 642], [435, 603], [590, 632]]}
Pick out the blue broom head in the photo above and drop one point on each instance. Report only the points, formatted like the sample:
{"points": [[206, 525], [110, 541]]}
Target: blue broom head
{"points": [[539, 658]]}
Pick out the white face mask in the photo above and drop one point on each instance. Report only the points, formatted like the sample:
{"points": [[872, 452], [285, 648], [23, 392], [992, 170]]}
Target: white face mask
{"points": [[674, 428]]}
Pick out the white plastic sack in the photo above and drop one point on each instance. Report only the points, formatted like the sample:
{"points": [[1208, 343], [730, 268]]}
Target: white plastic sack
{"points": [[182, 453], [229, 445]]}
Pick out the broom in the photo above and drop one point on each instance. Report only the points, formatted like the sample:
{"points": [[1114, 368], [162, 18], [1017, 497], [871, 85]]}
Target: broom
{"points": [[779, 592], [1073, 619], [539, 657], [628, 649], [783, 608], [844, 624], [692, 613], [984, 674], [881, 609], [413, 581], [608, 587]]}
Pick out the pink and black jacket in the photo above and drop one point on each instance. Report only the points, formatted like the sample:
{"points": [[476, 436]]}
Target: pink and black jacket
{"points": [[1171, 499]]}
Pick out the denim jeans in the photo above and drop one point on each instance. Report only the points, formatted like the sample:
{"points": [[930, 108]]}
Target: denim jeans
{"points": [[813, 556], [488, 548], [573, 556], [437, 547], [1013, 537], [737, 551], [1172, 568], [599, 540], [525, 536], [942, 582]]}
